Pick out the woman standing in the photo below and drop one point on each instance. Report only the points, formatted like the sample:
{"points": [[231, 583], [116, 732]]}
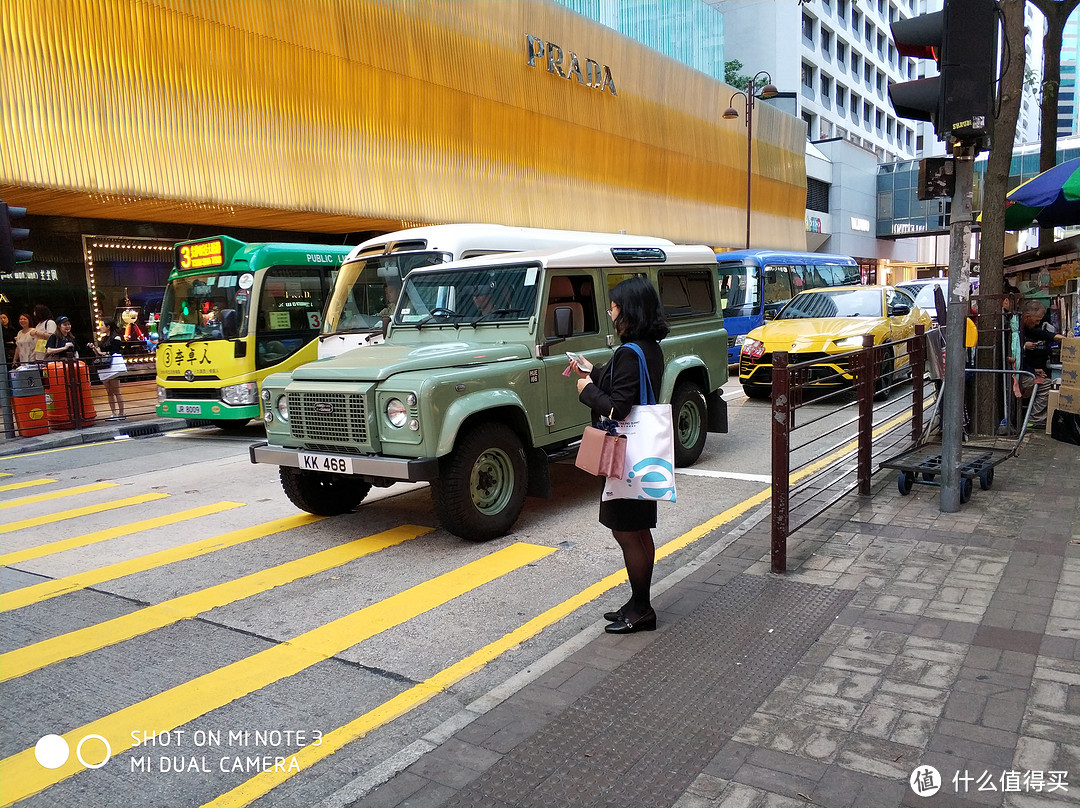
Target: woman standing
{"points": [[44, 329], [61, 345], [611, 390], [112, 346], [24, 341]]}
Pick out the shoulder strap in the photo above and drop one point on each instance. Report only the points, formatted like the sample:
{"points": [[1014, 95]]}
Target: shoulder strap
{"points": [[645, 388]]}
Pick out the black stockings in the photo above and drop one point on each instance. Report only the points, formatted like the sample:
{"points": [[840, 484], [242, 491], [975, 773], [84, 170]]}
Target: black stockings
{"points": [[639, 555]]}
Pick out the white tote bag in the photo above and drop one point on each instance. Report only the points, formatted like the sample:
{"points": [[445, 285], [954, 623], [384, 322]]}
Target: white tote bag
{"points": [[650, 448]]}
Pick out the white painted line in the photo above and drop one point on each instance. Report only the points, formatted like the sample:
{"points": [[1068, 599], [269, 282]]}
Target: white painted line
{"points": [[729, 475]]}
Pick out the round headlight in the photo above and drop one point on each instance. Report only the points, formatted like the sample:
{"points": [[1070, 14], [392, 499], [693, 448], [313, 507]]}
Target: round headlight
{"points": [[411, 399], [161, 395], [268, 418], [266, 395], [396, 413], [283, 408]]}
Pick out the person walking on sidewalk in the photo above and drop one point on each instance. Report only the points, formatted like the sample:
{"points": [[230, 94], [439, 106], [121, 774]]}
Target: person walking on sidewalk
{"points": [[1036, 338], [611, 390]]}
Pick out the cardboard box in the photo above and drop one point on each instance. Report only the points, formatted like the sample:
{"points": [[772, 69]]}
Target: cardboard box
{"points": [[1051, 405], [1068, 400], [1070, 357]]}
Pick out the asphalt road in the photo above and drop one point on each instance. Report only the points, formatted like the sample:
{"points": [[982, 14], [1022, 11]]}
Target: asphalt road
{"points": [[162, 594]]}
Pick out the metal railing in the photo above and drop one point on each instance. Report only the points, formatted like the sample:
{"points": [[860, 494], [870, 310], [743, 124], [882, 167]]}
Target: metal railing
{"points": [[830, 454]]}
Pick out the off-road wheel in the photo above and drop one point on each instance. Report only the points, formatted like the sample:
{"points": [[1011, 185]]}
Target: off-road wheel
{"points": [[481, 489], [759, 391], [229, 425], [966, 487], [886, 371], [904, 482], [322, 493], [690, 417]]}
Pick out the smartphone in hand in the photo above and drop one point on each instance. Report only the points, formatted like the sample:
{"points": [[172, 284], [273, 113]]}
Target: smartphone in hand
{"points": [[584, 365]]}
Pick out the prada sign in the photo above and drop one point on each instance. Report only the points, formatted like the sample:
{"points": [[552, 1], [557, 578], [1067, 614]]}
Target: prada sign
{"points": [[568, 66]]}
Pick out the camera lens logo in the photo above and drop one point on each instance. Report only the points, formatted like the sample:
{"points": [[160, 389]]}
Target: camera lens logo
{"points": [[52, 751], [925, 781]]}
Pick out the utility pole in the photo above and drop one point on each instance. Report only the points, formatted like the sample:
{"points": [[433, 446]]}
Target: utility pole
{"points": [[952, 391]]}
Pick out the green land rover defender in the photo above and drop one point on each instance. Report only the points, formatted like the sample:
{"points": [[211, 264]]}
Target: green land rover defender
{"points": [[468, 391]]}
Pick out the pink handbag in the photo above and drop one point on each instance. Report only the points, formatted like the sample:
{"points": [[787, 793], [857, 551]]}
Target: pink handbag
{"points": [[601, 453]]}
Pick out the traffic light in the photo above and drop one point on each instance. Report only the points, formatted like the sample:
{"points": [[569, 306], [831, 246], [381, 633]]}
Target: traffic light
{"points": [[962, 39], [9, 234]]}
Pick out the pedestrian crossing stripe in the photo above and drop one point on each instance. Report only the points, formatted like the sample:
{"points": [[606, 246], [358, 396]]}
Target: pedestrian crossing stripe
{"points": [[23, 777], [53, 547], [26, 484], [22, 661], [330, 742], [75, 513], [18, 598], [64, 492]]}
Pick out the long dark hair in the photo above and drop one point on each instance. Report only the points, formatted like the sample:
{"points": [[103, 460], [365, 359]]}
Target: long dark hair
{"points": [[641, 316], [42, 313]]}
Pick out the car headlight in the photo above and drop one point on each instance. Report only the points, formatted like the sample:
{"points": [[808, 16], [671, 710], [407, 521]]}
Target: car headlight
{"points": [[246, 393], [161, 394], [849, 342], [396, 412], [753, 347], [266, 395], [283, 407]]}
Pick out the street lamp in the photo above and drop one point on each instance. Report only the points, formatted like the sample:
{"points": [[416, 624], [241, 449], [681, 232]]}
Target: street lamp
{"points": [[767, 91]]}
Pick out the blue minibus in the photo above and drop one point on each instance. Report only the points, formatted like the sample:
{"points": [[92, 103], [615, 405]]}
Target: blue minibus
{"points": [[755, 284]]}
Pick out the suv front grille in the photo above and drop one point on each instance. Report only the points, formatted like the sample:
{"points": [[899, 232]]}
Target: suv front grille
{"points": [[345, 423]]}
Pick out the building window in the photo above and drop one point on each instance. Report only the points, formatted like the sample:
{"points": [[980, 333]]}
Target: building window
{"points": [[881, 46], [880, 84], [867, 108], [841, 53], [918, 143], [809, 120], [879, 120], [890, 126], [856, 21], [868, 73], [817, 195], [856, 63], [808, 76], [841, 97], [826, 43], [892, 55], [841, 9], [855, 106], [808, 27], [826, 89], [868, 34]]}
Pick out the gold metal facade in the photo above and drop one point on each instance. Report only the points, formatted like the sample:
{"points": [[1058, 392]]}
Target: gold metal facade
{"points": [[343, 115]]}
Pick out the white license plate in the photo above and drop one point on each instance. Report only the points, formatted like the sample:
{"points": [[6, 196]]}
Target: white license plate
{"points": [[321, 462], [189, 409]]}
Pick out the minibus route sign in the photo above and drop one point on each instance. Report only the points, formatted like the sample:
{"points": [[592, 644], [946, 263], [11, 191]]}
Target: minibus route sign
{"points": [[201, 254]]}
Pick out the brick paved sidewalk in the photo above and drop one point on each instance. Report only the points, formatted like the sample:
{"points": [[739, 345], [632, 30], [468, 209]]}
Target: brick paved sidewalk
{"points": [[901, 638]]}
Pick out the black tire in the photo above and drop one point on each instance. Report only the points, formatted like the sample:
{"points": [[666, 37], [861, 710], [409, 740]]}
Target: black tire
{"points": [[886, 371], [690, 419], [231, 426], [322, 493], [481, 489], [904, 482], [758, 391], [986, 479], [965, 489]]}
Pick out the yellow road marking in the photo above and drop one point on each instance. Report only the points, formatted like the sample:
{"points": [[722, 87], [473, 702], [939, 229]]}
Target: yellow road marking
{"points": [[4, 474], [60, 546], [23, 776], [18, 598], [73, 513], [92, 638], [264, 782], [26, 484], [66, 492]]}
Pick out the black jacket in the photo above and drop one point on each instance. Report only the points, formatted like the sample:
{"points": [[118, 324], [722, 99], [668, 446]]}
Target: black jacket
{"points": [[615, 385]]}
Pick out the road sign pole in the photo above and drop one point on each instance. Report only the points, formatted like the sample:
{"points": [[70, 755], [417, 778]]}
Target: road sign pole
{"points": [[952, 413]]}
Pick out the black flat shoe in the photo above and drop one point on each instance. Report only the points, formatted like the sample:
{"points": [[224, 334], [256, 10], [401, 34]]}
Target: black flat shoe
{"points": [[647, 622], [616, 616]]}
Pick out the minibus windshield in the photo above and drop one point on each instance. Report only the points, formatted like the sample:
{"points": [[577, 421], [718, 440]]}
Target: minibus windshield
{"points": [[206, 306], [367, 289], [739, 289]]}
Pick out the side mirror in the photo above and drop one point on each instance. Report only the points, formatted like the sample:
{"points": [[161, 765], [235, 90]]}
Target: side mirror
{"points": [[770, 314], [564, 322], [899, 310]]}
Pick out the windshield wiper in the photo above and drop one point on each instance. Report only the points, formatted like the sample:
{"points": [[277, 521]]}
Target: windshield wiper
{"points": [[438, 312], [495, 313]]}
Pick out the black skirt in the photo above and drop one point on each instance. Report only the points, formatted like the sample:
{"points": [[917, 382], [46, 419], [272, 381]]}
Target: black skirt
{"points": [[628, 514]]}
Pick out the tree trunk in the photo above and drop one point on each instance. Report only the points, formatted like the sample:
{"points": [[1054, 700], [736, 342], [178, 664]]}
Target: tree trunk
{"points": [[992, 240]]}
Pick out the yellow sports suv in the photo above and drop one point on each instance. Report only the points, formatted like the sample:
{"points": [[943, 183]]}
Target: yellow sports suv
{"points": [[824, 326]]}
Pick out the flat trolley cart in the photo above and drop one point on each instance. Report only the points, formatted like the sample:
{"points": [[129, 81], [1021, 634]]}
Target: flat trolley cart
{"points": [[978, 455]]}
